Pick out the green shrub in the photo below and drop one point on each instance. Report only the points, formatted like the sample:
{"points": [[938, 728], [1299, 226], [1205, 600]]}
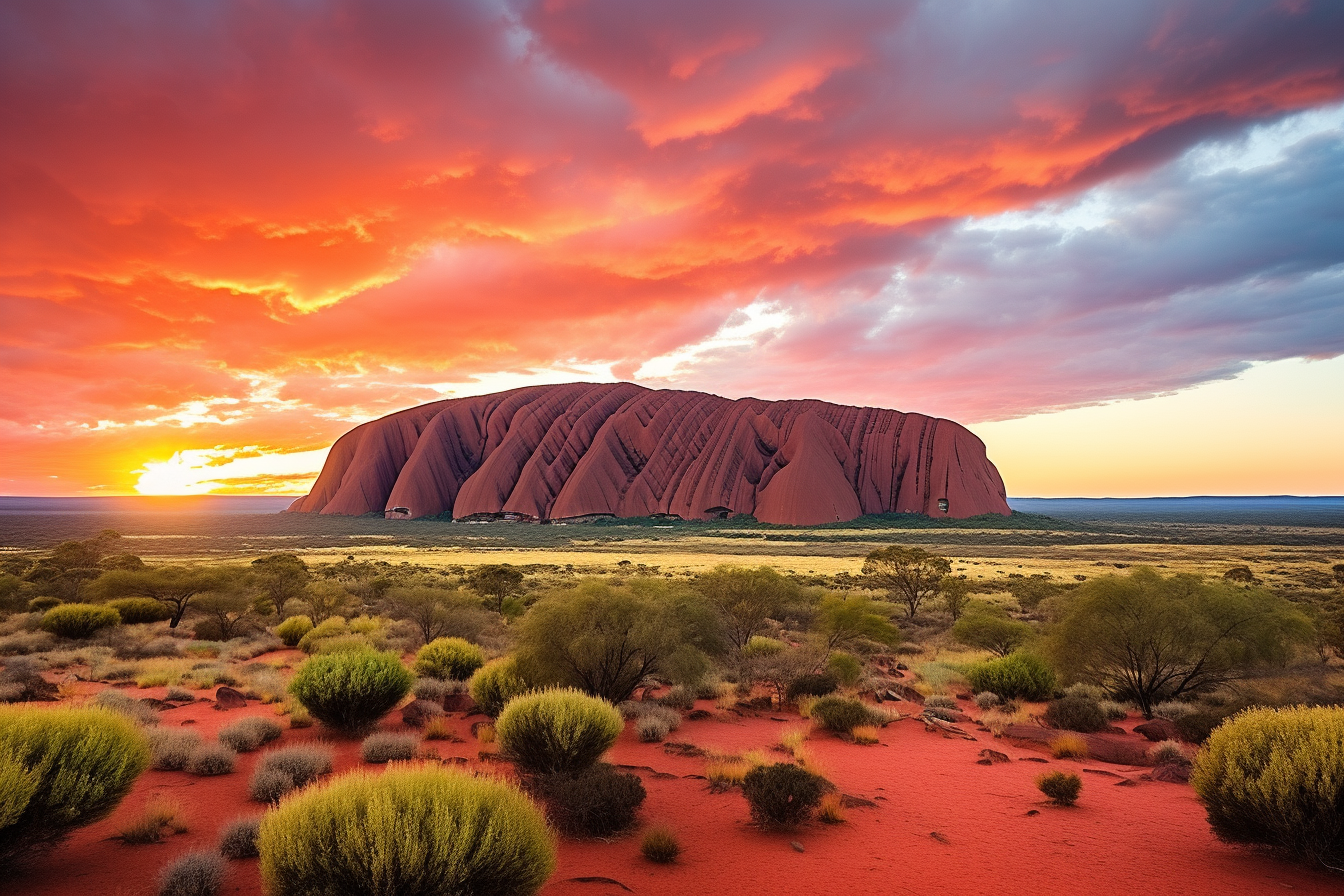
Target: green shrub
{"points": [[1076, 713], [78, 620], [1018, 676], [660, 845], [136, 610], [811, 684], [495, 684], [351, 691], [1061, 787], [1195, 727], [782, 795], [557, 730], [292, 630], [472, 836], [251, 733], [42, 604], [597, 802], [760, 645], [1275, 777], [192, 874], [846, 667], [77, 765], [451, 659], [841, 714]]}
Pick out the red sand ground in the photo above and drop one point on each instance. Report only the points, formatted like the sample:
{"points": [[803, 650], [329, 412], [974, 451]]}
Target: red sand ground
{"points": [[1149, 838]]}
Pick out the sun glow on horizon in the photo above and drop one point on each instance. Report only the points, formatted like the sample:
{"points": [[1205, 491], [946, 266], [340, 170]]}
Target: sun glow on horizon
{"points": [[220, 470]]}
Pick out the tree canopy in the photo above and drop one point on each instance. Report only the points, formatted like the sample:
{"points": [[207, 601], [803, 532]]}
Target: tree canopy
{"points": [[172, 585], [910, 576], [747, 599]]}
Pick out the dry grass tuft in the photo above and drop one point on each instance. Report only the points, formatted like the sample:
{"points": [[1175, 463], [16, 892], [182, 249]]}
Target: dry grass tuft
{"points": [[1069, 746], [159, 816], [865, 734], [832, 809]]}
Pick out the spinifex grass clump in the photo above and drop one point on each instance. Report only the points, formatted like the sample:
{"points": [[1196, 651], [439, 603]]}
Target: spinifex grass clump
{"points": [[495, 684], [292, 630], [63, 769], [660, 845], [1069, 746], [1018, 676], [351, 691], [284, 770], [841, 714], [1275, 777], [251, 733], [450, 659], [471, 835], [557, 731], [78, 620], [1061, 787], [782, 795]]}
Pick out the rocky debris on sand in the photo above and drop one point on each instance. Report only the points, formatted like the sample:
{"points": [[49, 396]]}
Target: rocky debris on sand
{"points": [[227, 698]]}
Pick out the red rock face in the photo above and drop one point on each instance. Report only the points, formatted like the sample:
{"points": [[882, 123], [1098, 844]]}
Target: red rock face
{"points": [[554, 452]]}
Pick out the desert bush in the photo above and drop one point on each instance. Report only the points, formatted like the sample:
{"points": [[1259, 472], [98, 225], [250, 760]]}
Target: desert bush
{"points": [[1275, 778], [1076, 713], [558, 730], [660, 845], [43, 604], [23, 643], [67, 768], [435, 690], [811, 684], [280, 771], [782, 795], [210, 760], [940, 701], [864, 734], [251, 733], [679, 697], [1168, 752], [171, 749], [991, 630], [137, 610], [385, 746], [596, 802], [1196, 727], [495, 684], [177, 694], [1114, 712], [1068, 746], [159, 813], [1062, 788], [987, 699], [78, 620], [652, 729], [449, 659], [21, 680], [841, 714], [472, 835], [760, 646], [238, 840], [440, 729], [126, 705], [292, 630], [846, 667], [193, 874], [351, 691], [1018, 676], [1174, 709]]}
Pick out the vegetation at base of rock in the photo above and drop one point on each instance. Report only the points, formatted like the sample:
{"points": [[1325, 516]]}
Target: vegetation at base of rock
{"points": [[557, 731], [351, 691], [1275, 778], [473, 835], [1062, 788], [782, 795], [64, 768], [1069, 746]]}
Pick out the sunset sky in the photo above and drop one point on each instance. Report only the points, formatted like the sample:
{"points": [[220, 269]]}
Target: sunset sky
{"points": [[1109, 238]]}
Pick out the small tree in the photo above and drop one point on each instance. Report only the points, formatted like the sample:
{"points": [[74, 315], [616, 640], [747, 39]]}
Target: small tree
{"points": [[747, 599], [956, 594], [844, 620], [990, 629], [437, 612], [1147, 638], [495, 582], [172, 585], [324, 600], [279, 579], [228, 614], [909, 575]]}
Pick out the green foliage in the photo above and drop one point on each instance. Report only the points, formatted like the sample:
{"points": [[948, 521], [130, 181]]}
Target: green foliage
{"points": [[471, 836], [1148, 638], [78, 620], [597, 802], [174, 586], [351, 691], [1075, 712], [451, 659], [43, 604], [1018, 676], [1275, 777], [761, 646], [846, 619], [495, 684], [605, 639], [438, 612], [909, 575], [279, 579], [292, 630], [811, 684], [557, 731], [75, 765], [136, 610], [747, 599], [782, 795], [841, 714], [494, 582], [991, 630], [1062, 788], [660, 845]]}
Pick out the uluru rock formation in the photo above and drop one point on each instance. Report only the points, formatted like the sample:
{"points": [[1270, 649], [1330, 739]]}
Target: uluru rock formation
{"points": [[571, 451]]}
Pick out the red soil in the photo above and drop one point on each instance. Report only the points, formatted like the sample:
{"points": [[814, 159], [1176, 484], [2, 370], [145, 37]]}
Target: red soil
{"points": [[943, 824]]}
